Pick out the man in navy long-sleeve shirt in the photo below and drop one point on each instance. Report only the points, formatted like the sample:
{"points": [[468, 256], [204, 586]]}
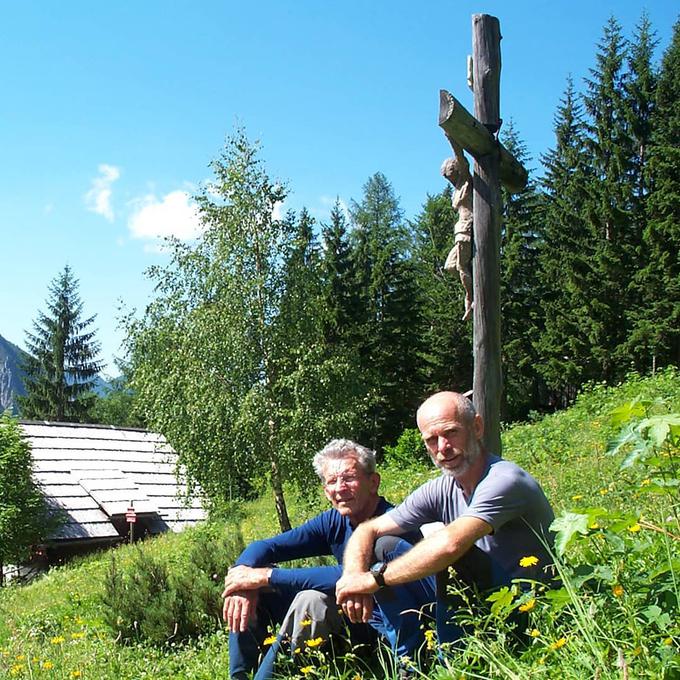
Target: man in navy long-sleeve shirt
{"points": [[259, 595]]}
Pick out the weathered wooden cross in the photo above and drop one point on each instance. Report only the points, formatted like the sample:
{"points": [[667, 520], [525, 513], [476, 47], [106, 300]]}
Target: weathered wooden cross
{"points": [[493, 164]]}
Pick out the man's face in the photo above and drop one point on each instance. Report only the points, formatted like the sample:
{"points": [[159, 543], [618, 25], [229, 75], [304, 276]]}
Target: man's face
{"points": [[350, 490], [453, 444]]}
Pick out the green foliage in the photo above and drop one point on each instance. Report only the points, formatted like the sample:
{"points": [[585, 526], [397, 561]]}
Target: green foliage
{"points": [[62, 357], [24, 516], [408, 452], [118, 405], [156, 600]]}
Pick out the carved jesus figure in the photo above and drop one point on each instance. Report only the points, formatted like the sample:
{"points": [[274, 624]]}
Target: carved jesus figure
{"points": [[457, 171]]}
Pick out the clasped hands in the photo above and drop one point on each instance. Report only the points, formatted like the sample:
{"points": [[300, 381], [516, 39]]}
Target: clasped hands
{"points": [[354, 593]]}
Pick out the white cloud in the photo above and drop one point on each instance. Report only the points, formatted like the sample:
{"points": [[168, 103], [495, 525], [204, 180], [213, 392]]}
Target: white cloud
{"points": [[98, 198], [277, 212], [174, 214]]}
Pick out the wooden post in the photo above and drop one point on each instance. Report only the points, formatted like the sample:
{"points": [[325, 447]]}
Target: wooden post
{"points": [[487, 377]]}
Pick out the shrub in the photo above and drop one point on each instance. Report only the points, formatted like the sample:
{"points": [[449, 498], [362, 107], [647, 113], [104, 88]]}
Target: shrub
{"points": [[409, 452]]}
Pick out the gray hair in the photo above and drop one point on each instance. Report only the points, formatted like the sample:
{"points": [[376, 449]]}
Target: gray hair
{"points": [[339, 449]]}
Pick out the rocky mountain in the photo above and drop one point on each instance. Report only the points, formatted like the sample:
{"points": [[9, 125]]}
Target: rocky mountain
{"points": [[11, 376]]}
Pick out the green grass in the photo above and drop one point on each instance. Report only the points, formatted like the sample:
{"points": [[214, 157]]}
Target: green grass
{"points": [[613, 620]]}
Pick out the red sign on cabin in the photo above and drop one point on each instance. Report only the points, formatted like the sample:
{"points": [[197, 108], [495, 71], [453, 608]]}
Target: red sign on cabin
{"points": [[131, 516]]}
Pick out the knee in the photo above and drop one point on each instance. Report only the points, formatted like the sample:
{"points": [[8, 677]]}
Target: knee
{"points": [[387, 547], [310, 602]]}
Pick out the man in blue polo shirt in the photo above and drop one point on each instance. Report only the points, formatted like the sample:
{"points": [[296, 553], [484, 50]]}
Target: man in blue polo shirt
{"points": [[494, 515], [260, 595]]}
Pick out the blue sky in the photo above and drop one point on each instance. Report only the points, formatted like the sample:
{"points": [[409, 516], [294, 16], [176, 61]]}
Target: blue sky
{"points": [[112, 112]]}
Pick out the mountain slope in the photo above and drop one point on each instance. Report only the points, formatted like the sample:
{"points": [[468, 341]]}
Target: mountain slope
{"points": [[11, 375]]}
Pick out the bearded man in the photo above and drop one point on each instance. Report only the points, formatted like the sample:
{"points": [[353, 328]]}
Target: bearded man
{"points": [[495, 518]]}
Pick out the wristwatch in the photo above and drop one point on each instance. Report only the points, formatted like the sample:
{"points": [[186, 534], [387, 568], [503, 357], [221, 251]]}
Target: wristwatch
{"points": [[377, 570]]}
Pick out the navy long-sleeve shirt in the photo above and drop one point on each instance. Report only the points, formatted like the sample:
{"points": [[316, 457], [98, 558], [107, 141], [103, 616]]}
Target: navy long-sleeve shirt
{"points": [[325, 534]]}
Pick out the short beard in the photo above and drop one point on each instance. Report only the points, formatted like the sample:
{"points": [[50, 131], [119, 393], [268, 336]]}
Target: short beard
{"points": [[471, 453]]}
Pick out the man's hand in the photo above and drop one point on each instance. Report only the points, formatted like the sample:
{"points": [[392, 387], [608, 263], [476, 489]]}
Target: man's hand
{"points": [[239, 609], [354, 593], [245, 578]]}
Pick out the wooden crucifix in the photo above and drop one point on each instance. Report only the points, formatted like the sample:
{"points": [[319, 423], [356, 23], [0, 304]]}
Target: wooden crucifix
{"points": [[493, 164]]}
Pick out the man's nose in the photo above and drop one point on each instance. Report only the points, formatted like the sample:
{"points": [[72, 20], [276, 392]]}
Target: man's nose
{"points": [[442, 444]]}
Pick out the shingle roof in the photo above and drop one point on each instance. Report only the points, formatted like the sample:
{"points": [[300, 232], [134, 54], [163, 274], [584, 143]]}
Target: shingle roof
{"points": [[92, 472]]}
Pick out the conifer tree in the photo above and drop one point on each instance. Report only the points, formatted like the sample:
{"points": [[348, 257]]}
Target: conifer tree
{"points": [[657, 332], [62, 357], [388, 310], [521, 293], [446, 338]]}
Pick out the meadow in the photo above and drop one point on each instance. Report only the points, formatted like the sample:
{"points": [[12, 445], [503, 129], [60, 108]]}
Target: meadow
{"points": [[609, 466]]}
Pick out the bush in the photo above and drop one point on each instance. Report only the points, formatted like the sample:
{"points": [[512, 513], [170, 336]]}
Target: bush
{"points": [[408, 452], [160, 600]]}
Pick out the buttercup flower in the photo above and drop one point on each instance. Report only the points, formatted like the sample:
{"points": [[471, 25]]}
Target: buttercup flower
{"points": [[528, 561], [269, 640], [528, 605], [314, 642], [534, 632], [558, 643], [634, 528], [305, 670]]}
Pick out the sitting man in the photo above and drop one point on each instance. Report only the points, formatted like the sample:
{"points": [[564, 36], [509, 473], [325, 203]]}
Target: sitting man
{"points": [[259, 595], [495, 514]]}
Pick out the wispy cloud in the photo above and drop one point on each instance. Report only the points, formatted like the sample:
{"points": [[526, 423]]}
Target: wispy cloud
{"points": [[155, 218], [98, 198]]}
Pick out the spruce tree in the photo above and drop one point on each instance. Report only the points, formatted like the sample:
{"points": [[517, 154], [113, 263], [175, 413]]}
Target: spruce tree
{"points": [[62, 357], [521, 292], [387, 315], [446, 338], [657, 332], [566, 256]]}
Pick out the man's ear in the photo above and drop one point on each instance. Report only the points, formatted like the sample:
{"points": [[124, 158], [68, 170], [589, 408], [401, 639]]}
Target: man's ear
{"points": [[478, 426], [375, 482]]}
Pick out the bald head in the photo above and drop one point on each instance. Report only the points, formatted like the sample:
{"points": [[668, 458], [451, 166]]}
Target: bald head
{"points": [[449, 403]]}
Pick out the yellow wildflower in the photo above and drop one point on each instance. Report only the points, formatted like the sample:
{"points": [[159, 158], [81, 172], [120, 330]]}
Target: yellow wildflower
{"points": [[604, 492], [528, 561], [306, 622], [21, 657], [357, 677], [668, 641], [46, 665], [75, 674], [5, 652], [78, 636], [558, 643], [594, 525], [298, 650], [58, 640], [430, 638], [577, 497], [306, 670], [528, 605], [314, 642], [16, 669], [269, 640], [645, 482], [617, 590], [634, 528], [534, 632]]}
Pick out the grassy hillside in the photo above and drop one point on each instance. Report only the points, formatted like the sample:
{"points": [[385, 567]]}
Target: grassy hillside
{"points": [[616, 617]]}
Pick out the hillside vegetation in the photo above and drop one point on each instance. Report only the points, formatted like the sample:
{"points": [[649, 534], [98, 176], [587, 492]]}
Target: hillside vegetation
{"points": [[615, 616]]}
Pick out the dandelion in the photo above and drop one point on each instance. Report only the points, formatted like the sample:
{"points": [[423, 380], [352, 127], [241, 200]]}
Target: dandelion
{"points": [[306, 622], [75, 674], [58, 640], [16, 669], [314, 642], [269, 640], [21, 657], [306, 670], [634, 528], [46, 665], [534, 632], [577, 497], [558, 643], [528, 561], [528, 605], [617, 590]]}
